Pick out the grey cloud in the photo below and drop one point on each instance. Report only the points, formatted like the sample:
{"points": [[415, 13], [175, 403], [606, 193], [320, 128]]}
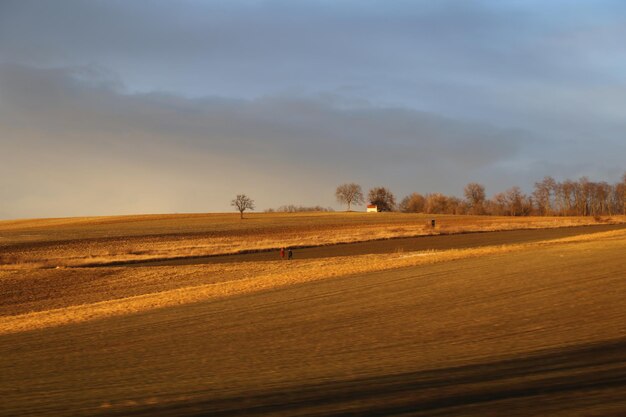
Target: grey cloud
{"points": [[72, 132], [246, 47], [281, 96], [472, 60]]}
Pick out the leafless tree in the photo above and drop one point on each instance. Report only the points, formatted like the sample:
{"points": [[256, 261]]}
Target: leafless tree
{"points": [[383, 198], [586, 188], [580, 200], [515, 200], [413, 203], [528, 206], [242, 202], [349, 193], [566, 198], [475, 197], [622, 191], [499, 205], [543, 195], [436, 203], [580, 197], [601, 199], [456, 206]]}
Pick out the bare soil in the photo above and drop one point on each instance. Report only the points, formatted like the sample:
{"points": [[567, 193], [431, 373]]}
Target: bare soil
{"points": [[34, 290], [48, 243], [421, 243], [538, 331]]}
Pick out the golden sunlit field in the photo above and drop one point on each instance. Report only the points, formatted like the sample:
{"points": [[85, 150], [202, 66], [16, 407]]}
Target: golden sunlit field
{"points": [[101, 240], [198, 315]]}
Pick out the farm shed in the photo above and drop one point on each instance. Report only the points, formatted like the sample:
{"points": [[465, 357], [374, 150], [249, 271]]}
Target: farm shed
{"points": [[372, 208]]}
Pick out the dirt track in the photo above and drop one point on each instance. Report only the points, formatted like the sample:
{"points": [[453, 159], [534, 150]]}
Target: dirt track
{"points": [[422, 243]]}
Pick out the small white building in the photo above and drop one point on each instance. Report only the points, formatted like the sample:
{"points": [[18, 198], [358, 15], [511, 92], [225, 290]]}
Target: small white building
{"points": [[372, 208]]}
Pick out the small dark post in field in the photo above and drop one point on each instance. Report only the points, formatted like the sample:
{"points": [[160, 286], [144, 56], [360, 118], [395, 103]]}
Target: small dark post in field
{"points": [[432, 223]]}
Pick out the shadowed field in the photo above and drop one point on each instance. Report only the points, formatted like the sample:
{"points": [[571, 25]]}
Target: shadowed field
{"points": [[588, 376], [533, 329]]}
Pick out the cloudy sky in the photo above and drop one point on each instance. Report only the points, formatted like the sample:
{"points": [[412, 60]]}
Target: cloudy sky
{"points": [[112, 107]]}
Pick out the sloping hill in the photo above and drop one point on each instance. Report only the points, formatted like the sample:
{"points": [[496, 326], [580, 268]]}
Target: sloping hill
{"points": [[535, 331]]}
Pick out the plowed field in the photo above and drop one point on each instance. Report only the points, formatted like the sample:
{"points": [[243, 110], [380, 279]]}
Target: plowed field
{"points": [[517, 328]]}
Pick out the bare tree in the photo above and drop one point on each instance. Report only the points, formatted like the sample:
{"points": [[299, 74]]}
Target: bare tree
{"points": [[499, 205], [615, 199], [580, 200], [621, 187], [242, 202], [544, 190], [601, 199], [349, 193], [586, 189], [566, 197], [383, 198], [413, 203], [456, 206], [475, 196], [436, 203], [515, 200]]}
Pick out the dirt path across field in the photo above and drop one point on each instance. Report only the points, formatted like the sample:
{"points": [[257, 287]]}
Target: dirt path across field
{"points": [[421, 243]]}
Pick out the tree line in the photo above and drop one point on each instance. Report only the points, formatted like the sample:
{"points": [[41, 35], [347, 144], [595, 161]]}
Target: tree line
{"points": [[293, 208], [549, 198]]}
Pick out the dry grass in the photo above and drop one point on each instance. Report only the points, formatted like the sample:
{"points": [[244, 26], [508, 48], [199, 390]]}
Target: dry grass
{"points": [[235, 279], [49, 243], [521, 329]]}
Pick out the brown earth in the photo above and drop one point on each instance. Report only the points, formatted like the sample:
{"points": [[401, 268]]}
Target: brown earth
{"points": [[534, 331], [421, 243], [34, 290], [45, 243], [257, 224]]}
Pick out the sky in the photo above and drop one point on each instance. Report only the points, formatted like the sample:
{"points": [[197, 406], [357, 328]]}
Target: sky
{"points": [[117, 107]]}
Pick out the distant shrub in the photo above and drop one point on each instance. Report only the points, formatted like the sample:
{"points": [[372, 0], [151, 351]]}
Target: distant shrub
{"points": [[413, 203], [292, 208]]}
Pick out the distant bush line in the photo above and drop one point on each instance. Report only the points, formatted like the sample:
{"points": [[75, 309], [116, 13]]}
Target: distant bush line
{"points": [[291, 208]]}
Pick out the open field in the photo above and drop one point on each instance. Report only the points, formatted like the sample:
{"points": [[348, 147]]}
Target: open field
{"points": [[82, 241], [518, 323]]}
